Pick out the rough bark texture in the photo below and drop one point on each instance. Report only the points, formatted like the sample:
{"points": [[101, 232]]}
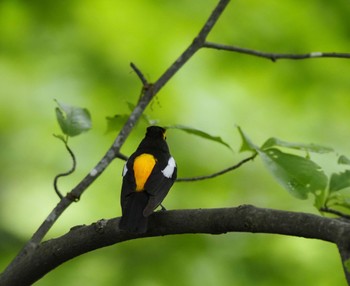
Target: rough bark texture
{"points": [[81, 239]]}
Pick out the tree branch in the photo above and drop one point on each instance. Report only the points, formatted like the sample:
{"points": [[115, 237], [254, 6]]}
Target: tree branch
{"points": [[114, 151], [275, 56], [54, 252], [197, 43], [344, 251]]}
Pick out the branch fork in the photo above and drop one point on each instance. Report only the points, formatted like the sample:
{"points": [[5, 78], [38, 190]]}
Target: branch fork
{"points": [[305, 225]]}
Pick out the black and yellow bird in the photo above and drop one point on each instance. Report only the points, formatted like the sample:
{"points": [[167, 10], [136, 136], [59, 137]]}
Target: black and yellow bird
{"points": [[148, 176]]}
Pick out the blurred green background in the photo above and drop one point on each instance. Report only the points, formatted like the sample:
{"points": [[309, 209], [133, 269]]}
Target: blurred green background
{"points": [[78, 52]]}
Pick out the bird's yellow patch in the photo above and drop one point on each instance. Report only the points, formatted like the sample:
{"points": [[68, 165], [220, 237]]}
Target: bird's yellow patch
{"points": [[143, 166]]}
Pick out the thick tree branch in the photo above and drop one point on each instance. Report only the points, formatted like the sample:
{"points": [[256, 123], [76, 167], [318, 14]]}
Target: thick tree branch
{"points": [[114, 151], [344, 251], [54, 252], [275, 56]]}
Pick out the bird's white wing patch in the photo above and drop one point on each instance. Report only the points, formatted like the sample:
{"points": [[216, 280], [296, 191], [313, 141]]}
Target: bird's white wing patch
{"points": [[125, 170], [169, 169]]}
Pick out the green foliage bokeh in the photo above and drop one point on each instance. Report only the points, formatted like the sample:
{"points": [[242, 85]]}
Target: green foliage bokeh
{"points": [[78, 52]]}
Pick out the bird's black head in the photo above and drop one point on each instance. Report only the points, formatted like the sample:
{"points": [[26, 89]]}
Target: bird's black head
{"points": [[155, 132], [154, 140]]}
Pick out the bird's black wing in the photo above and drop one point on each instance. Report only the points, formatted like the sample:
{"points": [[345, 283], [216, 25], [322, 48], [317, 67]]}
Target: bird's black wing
{"points": [[132, 203], [129, 184], [159, 183]]}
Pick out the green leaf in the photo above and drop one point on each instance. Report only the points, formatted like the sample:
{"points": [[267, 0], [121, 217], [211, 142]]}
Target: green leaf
{"points": [[339, 181], [199, 133], [272, 142], [320, 199], [343, 160], [115, 123], [347, 265], [72, 120], [338, 199], [247, 144], [61, 137], [130, 105], [298, 175]]}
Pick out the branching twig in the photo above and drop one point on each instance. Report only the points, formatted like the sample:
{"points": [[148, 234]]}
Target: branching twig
{"points": [[275, 56], [197, 43], [218, 173], [114, 150]]}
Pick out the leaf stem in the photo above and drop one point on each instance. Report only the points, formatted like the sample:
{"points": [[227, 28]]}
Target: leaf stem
{"points": [[55, 182]]}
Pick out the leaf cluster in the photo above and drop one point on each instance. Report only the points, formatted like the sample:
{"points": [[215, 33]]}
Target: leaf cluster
{"points": [[299, 174]]}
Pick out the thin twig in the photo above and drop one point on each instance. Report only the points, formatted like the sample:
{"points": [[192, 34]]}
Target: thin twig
{"points": [[122, 156], [139, 74], [335, 212], [275, 56], [66, 173], [218, 173]]}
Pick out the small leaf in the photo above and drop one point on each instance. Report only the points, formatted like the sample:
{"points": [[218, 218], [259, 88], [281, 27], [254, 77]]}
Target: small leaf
{"points": [[338, 199], [343, 160], [272, 142], [320, 199], [339, 181], [199, 133], [247, 144], [72, 120], [130, 105], [298, 175], [115, 123], [61, 137]]}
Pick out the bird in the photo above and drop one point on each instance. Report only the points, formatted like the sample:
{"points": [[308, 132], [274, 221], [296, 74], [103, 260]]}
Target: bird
{"points": [[148, 175]]}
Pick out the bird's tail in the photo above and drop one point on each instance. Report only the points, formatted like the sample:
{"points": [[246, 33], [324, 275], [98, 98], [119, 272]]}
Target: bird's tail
{"points": [[132, 219]]}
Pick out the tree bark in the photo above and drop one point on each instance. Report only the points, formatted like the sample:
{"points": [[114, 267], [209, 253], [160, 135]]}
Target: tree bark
{"points": [[81, 239]]}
